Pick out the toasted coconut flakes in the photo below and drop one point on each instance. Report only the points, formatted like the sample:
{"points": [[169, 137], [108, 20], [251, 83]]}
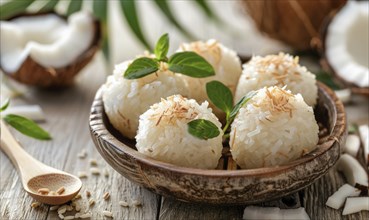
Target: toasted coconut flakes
{"points": [[91, 202], [78, 196], [355, 204], [257, 213], [136, 202], [88, 193], [43, 191], [106, 196], [60, 190], [82, 154], [93, 162], [337, 200], [82, 174], [106, 172], [352, 170], [54, 208]]}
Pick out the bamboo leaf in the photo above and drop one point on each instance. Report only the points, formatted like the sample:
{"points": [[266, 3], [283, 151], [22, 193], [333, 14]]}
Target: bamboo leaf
{"points": [[130, 13], [74, 6], [100, 8], [49, 6], [167, 11], [13, 7]]}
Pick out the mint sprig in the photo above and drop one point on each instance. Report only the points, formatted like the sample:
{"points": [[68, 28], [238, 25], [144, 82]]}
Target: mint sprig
{"points": [[203, 129], [24, 125], [187, 63]]}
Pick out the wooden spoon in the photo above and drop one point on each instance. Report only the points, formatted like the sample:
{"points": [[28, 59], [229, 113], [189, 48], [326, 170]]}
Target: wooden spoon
{"points": [[36, 175]]}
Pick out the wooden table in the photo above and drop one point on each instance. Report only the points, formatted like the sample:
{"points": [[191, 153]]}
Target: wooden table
{"points": [[67, 113]]}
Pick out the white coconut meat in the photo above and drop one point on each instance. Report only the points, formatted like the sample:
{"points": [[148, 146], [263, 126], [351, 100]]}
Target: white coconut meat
{"points": [[277, 70], [352, 145], [364, 135], [125, 100], [163, 134], [47, 39], [226, 64], [352, 170], [347, 45], [273, 128], [355, 204], [337, 200]]}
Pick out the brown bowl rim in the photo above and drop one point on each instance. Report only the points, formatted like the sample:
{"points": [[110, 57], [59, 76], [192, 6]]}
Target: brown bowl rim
{"points": [[337, 131]]}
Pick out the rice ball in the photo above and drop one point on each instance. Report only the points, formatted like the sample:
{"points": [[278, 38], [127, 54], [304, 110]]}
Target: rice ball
{"points": [[278, 70], [226, 64], [273, 128], [125, 100], [163, 134]]}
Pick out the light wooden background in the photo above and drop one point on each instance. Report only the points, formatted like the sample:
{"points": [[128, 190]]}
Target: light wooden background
{"points": [[67, 113]]}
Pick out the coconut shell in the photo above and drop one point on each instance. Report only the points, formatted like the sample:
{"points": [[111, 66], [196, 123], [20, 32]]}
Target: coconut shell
{"points": [[321, 46], [294, 22], [32, 73]]}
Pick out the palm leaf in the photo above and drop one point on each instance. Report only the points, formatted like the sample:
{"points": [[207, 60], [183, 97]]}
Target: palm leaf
{"points": [[74, 6], [167, 11], [100, 8], [49, 6], [12, 8], [203, 5], [130, 13]]}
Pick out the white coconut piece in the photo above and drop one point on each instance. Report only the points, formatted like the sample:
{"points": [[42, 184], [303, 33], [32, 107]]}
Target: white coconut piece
{"points": [[125, 100], [352, 145], [347, 46], [273, 128], [33, 112], [261, 213], [163, 134], [277, 70], [352, 170], [47, 39], [355, 204], [344, 95], [226, 64], [364, 134], [337, 200]]}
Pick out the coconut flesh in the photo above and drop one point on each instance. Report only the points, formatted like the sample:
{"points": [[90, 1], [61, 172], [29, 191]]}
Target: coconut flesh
{"points": [[48, 39], [347, 45]]}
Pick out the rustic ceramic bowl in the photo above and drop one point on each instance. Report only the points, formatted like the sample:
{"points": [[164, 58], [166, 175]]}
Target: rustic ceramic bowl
{"points": [[227, 184]]}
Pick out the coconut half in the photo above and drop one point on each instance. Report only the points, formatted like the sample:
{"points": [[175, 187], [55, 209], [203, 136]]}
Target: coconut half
{"points": [[346, 46], [46, 49]]}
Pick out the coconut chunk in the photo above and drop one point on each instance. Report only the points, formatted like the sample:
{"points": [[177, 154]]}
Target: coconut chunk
{"points": [[352, 170], [54, 45], [259, 213], [356, 204], [364, 134], [337, 200], [344, 95], [352, 145]]}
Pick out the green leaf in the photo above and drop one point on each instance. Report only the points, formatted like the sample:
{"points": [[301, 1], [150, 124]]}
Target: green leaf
{"points": [[5, 105], [190, 64], [74, 6], [12, 8], [327, 80], [130, 13], [100, 9], [49, 6], [241, 103], [203, 129], [167, 11], [141, 67], [27, 127], [220, 95], [203, 5], [162, 47]]}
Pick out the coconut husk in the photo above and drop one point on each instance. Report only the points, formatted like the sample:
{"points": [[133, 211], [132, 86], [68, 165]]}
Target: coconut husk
{"points": [[294, 22], [32, 73], [321, 46]]}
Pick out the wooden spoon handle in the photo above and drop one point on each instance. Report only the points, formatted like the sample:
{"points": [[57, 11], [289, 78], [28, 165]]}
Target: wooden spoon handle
{"points": [[26, 164]]}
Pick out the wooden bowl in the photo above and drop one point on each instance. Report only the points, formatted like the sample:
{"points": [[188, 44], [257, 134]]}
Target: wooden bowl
{"points": [[227, 184]]}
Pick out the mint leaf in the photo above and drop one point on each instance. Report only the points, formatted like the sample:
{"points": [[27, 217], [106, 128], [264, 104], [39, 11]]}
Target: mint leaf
{"points": [[241, 103], [5, 105], [141, 67], [27, 127], [203, 129], [190, 64], [162, 47], [220, 95]]}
